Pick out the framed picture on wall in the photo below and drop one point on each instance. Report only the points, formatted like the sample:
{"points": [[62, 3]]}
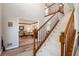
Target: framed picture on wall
{"points": [[10, 24], [21, 27]]}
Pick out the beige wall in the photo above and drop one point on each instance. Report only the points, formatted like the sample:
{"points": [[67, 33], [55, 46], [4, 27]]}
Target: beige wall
{"points": [[76, 21], [0, 26], [12, 11]]}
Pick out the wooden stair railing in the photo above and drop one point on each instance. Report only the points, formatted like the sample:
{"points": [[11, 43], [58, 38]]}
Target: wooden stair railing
{"points": [[43, 33], [53, 4], [49, 5], [51, 9], [67, 37]]}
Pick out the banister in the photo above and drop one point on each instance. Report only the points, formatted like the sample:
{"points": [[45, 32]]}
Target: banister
{"points": [[50, 5], [37, 45], [54, 4], [50, 9], [67, 26], [48, 35], [67, 37], [48, 20]]}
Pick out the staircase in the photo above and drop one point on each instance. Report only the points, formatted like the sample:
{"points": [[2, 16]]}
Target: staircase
{"points": [[52, 46], [59, 39], [67, 37], [57, 20]]}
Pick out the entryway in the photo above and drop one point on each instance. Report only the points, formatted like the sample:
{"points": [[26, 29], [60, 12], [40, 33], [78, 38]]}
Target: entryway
{"points": [[25, 38]]}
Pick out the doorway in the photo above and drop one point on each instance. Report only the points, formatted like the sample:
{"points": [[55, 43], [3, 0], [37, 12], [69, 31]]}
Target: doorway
{"points": [[26, 34]]}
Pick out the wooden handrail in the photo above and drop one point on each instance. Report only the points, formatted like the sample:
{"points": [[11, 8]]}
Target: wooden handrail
{"points": [[48, 20], [54, 4], [59, 10], [67, 26], [51, 5], [52, 13], [47, 36], [35, 49], [67, 37]]}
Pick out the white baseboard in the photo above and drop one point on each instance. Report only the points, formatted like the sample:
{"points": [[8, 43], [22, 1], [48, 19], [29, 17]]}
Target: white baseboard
{"points": [[8, 49], [0, 52], [11, 47]]}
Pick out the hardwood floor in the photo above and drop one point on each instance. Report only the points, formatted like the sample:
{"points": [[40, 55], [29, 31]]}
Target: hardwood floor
{"points": [[25, 49], [15, 52], [25, 40]]}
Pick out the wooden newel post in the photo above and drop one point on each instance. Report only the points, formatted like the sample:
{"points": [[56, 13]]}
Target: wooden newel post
{"points": [[34, 36], [35, 32], [62, 36]]}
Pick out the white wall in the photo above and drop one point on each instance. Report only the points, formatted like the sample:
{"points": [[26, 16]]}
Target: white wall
{"points": [[0, 26], [27, 28], [76, 21], [11, 12]]}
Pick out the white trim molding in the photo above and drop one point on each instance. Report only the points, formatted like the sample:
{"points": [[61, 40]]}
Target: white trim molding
{"points": [[13, 47]]}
